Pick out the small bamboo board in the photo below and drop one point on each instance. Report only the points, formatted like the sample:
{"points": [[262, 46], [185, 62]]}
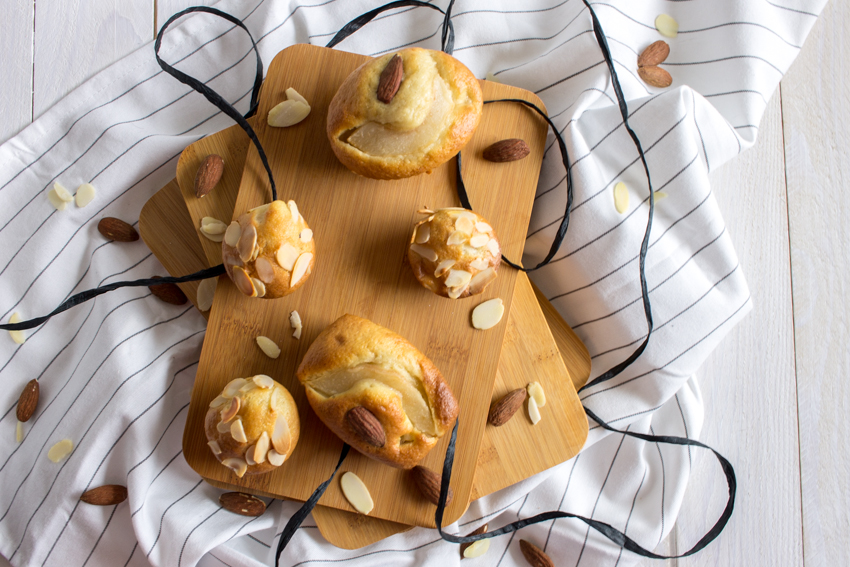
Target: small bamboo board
{"points": [[238, 319]]}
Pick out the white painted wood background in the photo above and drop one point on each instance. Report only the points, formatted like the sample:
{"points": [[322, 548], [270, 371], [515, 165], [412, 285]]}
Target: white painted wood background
{"points": [[777, 390]]}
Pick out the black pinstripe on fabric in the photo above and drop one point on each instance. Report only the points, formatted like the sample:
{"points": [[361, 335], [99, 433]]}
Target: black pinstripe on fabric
{"points": [[563, 497], [132, 552], [114, 444], [741, 91], [699, 131], [636, 256], [83, 436], [375, 19], [631, 511], [673, 318], [218, 559], [663, 485], [753, 126], [631, 415], [722, 59], [408, 44], [613, 178], [626, 218], [163, 469], [521, 39], [85, 273], [791, 9], [683, 353], [369, 554], [159, 72], [568, 77], [599, 497], [685, 426], [513, 534], [491, 514], [542, 55], [185, 541], [103, 531], [264, 544], [162, 518]]}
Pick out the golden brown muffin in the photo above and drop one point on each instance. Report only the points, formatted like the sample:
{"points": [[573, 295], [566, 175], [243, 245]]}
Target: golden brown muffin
{"points": [[253, 425], [454, 253], [431, 117], [269, 252], [377, 392]]}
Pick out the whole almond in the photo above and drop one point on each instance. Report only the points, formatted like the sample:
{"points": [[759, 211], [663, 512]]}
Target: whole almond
{"points": [[106, 495], [503, 410], [390, 79], [655, 76], [479, 531], [242, 504], [502, 151], [534, 555], [208, 175], [654, 54], [428, 482], [27, 401], [366, 426], [168, 292], [117, 230]]}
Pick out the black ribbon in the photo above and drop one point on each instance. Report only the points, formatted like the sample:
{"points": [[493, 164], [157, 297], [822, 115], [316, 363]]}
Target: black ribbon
{"points": [[216, 99], [84, 296]]}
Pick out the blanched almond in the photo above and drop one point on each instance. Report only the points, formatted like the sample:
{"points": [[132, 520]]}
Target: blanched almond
{"points": [[306, 235], [666, 25], [621, 197], [488, 314], [268, 346], [425, 252], [60, 450], [232, 234], [212, 227], [57, 202], [237, 431], [19, 432], [476, 549], [85, 194], [295, 323], [535, 390], [206, 293], [302, 264], [356, 493], [17, 336], [286, 256], [533, 411], [63, 193], [288, 113], [292, 94]]}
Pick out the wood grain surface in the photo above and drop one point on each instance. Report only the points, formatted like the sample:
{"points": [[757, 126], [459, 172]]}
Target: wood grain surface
{"points": [[814, 150]]}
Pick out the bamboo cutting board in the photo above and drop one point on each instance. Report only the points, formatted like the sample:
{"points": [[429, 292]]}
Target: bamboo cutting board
{"points": [[519, 119]]}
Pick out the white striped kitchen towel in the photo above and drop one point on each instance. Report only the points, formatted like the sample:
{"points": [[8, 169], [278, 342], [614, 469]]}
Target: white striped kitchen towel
{"points": [[116, 373]]}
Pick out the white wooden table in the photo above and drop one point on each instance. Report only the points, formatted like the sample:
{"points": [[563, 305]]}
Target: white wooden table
{"points": [[776, 390]]}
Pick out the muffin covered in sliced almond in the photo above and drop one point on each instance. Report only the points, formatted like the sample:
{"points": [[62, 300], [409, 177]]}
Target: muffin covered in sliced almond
{"points": [[253, 425], [269, 251], [454, 252]]}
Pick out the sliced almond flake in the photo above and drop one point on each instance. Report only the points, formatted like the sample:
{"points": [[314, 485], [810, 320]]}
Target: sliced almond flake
{"points": [[479, 264], [488, 314], [60, 450], [85, 194], [232, 234], [63, 193], [19, 432], [249, 455], [259, 286], [268, 346], [261, 448], [425, 211], [306, 235], [248, 387], [238, 466], [455, 238], [533, 411], [458, 278], [243, 281], [483, 227], [237, 431], [443, 267], [481, 280], [219, 401], [206, 293], [464, 224], [660, 195], [281, 438], [423, 233], [265, 270], [208, 220], [492, 78], [214, 447], [233, 386], [621, 197], [247, 243], [666, 25], [288, 113], [54, 199], [222, 427], [232, 409], [476, 549], [275, 458], [302, 264], [17, 336], [213, 237], [479, 240], [293, 208], [263, 381], [286, 256], [535, 390], [493, 247], [424, 251], [356, 493], [295, 323], [455, 292], [292, 94]]}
